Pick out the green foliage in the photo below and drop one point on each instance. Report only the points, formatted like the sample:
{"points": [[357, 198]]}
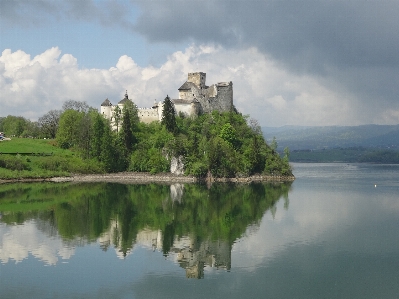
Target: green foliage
{"points": [[228, 146], [69, 128], [111, 155], [63, 164], [45, 160], [220, 144], [380, 156], [228, 134], [54, 164], [254, 157], [99, 126], [274, 144], [18, 126], [149, 154], [117, 115], [14, 163], [129, 126], [222, 158], [169, 116], [48, 123]]}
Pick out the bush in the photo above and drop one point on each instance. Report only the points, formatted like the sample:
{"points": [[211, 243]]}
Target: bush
{"points": [[197, 169], [14, 163], [54, 164], [151, 160], [68, 165]]}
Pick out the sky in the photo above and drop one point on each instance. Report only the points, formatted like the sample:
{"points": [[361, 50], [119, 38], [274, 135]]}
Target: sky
{"points": [[308, 62]]}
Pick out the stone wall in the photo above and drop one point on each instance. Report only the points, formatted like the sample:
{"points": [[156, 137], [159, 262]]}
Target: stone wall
{"points": [[217, 97], [197, 78], [194, 98], [148, 115]]}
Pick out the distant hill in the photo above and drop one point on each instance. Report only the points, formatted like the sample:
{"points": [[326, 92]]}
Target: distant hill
{"points": [[329, 137]]}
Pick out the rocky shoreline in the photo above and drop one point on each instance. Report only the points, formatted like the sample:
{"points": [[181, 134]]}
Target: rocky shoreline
{"points": [[143, 177]]}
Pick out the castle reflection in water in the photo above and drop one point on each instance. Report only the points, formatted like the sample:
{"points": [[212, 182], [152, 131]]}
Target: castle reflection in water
{"points": [[195, 226], [191, 254]]}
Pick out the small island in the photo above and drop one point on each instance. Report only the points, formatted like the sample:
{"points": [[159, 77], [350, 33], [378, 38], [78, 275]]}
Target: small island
{"points": [[198, 137]]}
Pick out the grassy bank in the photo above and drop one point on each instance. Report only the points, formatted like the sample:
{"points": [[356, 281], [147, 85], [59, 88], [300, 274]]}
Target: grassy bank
{"points": [[38, 158]]}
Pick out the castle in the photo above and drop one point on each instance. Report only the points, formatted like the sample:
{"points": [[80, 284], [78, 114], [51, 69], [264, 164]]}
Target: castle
{"points": [[194, 99]]}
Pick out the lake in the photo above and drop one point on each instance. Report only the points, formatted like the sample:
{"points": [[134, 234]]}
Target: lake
{"points": [[332, 233]]}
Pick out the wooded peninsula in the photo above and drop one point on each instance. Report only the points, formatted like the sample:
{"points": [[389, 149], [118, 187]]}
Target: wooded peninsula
{"points": [[79, 140]]}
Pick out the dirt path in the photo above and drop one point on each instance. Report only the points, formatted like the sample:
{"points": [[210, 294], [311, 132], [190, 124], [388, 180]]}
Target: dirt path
{"points": [[141, 177]]}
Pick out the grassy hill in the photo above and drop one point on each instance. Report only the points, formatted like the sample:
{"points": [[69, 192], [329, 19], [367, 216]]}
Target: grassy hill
{"points": [[29, 145], [38, 158]]}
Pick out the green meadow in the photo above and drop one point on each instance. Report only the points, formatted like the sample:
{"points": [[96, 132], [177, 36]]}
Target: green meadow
{"points": [[40, 158]]}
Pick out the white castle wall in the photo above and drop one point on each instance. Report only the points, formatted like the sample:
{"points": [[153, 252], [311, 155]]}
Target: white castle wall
{"points": [[148, 115], [194, 99]]}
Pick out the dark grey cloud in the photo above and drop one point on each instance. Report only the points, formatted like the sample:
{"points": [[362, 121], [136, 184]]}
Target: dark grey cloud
{"points": [[26, 13], [347, 45], [351, 45], [36, 13], [305, 34]]}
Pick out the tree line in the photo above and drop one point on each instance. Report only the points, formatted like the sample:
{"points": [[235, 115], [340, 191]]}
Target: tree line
{"points": [[45, 127], [224, 144]]}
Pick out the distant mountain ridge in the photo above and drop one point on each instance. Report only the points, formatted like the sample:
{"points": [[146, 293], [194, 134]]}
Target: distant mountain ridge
{"points": [[327, 137]]}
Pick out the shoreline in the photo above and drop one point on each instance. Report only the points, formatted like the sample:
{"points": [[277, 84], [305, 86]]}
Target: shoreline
{"points": [[144, 177]]}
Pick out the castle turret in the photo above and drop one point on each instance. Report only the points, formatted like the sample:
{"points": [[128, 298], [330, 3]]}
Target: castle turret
{"points": [[197, 78], [106, 109]]}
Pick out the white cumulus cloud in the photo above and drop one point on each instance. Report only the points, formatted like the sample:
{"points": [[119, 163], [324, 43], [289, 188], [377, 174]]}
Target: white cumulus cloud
{"points": [[262, 88]]}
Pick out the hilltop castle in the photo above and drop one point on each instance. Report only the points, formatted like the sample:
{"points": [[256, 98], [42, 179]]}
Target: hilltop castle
{"points": [[194, 99]]}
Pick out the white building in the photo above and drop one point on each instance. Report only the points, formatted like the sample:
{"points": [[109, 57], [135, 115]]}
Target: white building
{"points": [[195, 98]]}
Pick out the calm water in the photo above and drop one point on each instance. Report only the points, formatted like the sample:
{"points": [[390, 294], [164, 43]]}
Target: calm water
{"points": [[333, 233]]}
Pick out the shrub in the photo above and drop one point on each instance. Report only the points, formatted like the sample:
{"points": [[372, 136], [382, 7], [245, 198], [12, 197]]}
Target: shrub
{"points": [[54, 164], [14, 163], [198, 169]]}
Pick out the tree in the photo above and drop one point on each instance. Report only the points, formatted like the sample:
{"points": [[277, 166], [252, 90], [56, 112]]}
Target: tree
{"points": [[274, 144], [117, 115], [1, 123], [255, 127], [168, 116], [68, 131], [85, 134], [127, 134], [75, 105], [99, 125], [254, 155], [287, 153], [228, 133], [48, 123], [107, 153], [14, 125], [31, 129]]}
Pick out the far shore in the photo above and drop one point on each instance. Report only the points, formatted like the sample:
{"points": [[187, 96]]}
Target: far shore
{"points": [[143, 177]]}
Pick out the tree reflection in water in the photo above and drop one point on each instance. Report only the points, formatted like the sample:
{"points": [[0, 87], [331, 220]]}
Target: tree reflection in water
{"points": [[195, 224]]}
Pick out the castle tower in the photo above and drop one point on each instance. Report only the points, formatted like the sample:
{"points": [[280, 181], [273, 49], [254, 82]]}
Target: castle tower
{"points": [[106, 109], [197, 78]]}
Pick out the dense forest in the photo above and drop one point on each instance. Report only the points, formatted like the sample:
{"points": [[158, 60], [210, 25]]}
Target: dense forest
{"points": [[224, 144]]}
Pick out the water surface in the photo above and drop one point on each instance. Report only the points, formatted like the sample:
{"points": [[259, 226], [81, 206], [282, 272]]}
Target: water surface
{"points": [[333, 233]]}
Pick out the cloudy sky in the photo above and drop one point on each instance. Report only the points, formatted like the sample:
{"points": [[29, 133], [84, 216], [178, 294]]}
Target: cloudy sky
{"points": [[308, 62]]}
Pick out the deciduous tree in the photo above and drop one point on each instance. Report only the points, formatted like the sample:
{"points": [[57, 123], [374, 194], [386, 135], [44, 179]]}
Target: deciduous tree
{"points": [[49, 122]]}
